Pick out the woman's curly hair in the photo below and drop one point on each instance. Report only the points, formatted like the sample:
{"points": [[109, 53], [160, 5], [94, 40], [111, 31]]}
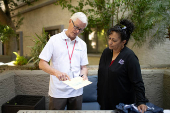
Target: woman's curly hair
{"points": [[124, 28]]}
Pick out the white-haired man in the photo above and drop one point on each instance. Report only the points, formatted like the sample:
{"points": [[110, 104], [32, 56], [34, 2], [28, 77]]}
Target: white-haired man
{"points": [[68, 55]]}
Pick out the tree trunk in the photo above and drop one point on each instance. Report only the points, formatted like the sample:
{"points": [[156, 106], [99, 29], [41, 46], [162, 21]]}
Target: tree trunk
{"points": [[3, 18]]}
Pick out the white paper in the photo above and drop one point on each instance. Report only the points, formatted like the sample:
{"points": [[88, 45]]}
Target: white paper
{"points": [[167, 111], [77, 82]]}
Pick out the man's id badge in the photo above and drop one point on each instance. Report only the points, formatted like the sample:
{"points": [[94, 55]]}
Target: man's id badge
{"points": [[71, 74]]}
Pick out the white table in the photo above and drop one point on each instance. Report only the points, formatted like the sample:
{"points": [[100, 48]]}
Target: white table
{"points": [[66, 111]]}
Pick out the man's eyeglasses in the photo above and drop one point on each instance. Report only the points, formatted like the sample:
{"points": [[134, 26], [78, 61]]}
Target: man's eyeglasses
{"points": [[77, 28]]}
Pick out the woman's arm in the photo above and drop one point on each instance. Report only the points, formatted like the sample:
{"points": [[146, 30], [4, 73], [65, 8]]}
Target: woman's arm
{"points": [[134, 73]]}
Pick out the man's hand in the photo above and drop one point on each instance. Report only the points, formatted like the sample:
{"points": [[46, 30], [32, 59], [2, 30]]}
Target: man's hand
{"points": [[142, 108], [48, 69], [62, 76], [84, 72], [85, 77]]}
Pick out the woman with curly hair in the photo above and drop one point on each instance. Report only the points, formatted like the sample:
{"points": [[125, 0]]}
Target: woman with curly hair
{"points": [[119, 73]]}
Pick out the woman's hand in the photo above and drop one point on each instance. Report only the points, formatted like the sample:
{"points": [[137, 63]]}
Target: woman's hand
{"points": [[142, 108]]}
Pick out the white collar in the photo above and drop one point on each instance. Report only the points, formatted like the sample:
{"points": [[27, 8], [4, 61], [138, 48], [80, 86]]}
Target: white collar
{"points": [[66, 37]]}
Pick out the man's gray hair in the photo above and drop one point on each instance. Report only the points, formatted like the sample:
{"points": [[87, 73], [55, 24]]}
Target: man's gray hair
{"points": [[81, 16]]}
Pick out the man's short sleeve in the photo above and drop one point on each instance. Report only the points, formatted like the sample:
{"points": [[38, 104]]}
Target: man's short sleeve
{"points": [[84, 58]]}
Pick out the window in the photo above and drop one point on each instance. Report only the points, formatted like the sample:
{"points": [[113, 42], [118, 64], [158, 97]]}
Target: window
{"points": [[19, 44], [95, 41], [52, 30]]}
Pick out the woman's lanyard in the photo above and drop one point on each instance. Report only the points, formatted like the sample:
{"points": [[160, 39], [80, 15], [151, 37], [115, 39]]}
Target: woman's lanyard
{"points": [[71, 53]]}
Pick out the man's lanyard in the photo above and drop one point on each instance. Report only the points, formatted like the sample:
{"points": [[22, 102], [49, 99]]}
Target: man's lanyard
{"points": [[71, 53]]}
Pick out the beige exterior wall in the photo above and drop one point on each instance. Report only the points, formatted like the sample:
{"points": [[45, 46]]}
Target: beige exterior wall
{"points": [[39, 15], [35, 20], [160, 55]]}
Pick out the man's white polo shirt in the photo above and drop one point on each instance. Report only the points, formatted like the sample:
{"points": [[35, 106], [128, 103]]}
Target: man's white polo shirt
{"points": [[56, 51]]}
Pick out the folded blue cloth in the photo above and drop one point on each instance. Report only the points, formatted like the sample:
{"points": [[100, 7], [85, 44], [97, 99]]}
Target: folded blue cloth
{"points": [[124, 108]]}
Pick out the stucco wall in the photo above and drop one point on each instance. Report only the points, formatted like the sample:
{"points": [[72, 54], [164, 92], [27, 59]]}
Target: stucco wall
{"points": [[153, 81], [159, 55], [36, 82], [166, 89], [7, 87], [32, 83]]}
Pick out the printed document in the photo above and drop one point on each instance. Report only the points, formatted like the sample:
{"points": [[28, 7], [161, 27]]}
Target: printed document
{"points": [[77, 82]]}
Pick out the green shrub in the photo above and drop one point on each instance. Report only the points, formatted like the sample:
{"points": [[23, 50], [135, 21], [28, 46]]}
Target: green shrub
{"points": [[40, 41], [20, 60], [6, 32]]}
